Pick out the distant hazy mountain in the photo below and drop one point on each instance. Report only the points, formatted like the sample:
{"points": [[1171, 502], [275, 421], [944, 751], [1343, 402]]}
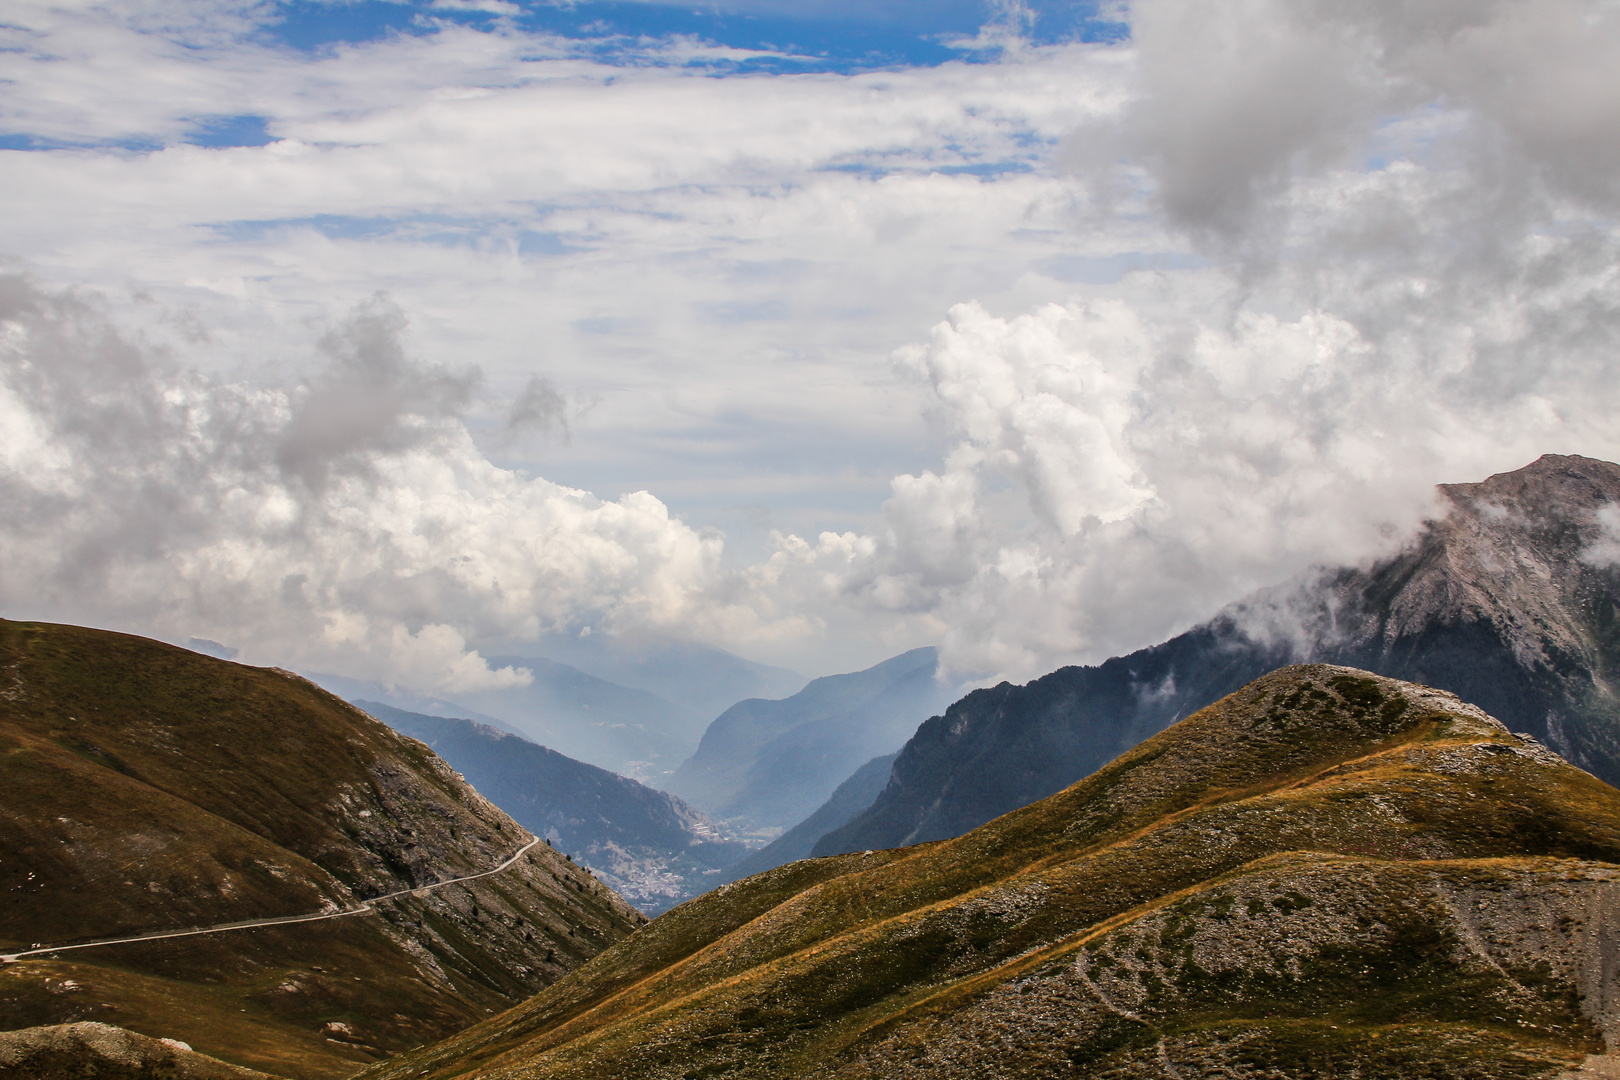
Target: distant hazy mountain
{"points": [[649, 846], [1511, 600], [635, 709], [620, 728], [1325, 875], [847, 800], [768, 764], [700, 678], [355, 690], [145, 788]]}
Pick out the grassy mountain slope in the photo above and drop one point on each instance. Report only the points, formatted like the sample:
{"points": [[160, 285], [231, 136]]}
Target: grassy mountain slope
{"points": [[648, 846], [1325, 874], [769, 764], [1511, 600], [148, 788]]}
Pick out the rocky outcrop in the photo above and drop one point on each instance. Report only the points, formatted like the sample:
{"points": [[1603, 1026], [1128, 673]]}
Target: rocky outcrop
{"points": [[92, 1051]]}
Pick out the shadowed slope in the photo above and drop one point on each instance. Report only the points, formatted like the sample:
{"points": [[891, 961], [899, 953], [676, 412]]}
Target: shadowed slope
{"points": [[151, 788], [1147, 915]]}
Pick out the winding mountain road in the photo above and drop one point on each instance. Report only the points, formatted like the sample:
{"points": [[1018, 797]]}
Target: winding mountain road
{"points": [[250, 924]]}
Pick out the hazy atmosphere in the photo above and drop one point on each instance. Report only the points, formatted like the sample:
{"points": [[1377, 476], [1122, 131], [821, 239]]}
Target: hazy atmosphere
{"points": [[382, 338]]}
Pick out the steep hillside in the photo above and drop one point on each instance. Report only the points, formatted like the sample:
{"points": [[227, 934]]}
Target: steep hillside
{"points": [[1511, 600], [648, 846], [768, 764], [1326, 874], [150, 788]]}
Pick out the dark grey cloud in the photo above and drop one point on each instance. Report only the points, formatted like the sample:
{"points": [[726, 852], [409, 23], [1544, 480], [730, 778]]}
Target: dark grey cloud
{"points": [[539, 407], [369, 397]]}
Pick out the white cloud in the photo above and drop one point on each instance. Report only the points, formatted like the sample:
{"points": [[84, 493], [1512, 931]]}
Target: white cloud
{"points": [[344, 521]]}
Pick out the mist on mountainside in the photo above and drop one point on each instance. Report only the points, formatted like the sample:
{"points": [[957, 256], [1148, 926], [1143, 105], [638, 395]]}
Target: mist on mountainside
{"points": [[1509, 598]]}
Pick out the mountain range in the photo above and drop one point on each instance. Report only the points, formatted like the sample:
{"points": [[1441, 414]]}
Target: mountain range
{"points": [[1325, 874], [148, 788], [702, 678], [648, 846], [847, 801], [1509, 598], [766, 765]]}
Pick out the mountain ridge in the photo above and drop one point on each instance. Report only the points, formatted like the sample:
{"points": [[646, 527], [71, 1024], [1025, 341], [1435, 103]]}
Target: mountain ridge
{"points": [[1505, 599], [772, 763]]}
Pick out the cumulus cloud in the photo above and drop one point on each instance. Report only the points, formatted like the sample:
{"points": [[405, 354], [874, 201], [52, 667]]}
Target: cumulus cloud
{"points": [[1126, 464], [345, 521]]}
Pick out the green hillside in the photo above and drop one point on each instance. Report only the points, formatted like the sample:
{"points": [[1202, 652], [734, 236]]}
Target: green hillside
{"points": [[148, 788], [1325, 874]]}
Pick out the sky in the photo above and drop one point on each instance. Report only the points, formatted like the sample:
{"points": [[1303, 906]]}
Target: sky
{"points": [[378, 338]]}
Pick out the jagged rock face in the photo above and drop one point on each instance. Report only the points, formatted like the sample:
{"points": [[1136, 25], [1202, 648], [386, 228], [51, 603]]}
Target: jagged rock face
{"points": [[1327, 873], [92, 1051], [150, 788], [1511, 599]]}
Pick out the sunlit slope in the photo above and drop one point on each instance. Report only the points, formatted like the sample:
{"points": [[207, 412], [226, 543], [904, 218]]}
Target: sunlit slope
{"points": [[1321, 873], [147, 788]]}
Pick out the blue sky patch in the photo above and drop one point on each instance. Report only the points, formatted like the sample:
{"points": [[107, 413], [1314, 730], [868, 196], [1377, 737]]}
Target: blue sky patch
{"points": [[221, 131], [830, 35]]}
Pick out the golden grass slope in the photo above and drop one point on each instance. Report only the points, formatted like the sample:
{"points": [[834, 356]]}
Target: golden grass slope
{"points": [[145, 787], [1325, 874]]}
